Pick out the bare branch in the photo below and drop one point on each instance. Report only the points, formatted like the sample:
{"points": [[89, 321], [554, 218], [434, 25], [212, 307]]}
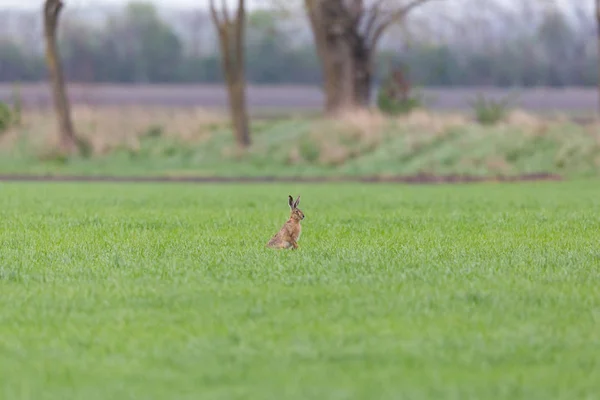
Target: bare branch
{"points": [[223, 33], [374, 13], [392, 18], [213, 13], [356, 10], [225, 11]]}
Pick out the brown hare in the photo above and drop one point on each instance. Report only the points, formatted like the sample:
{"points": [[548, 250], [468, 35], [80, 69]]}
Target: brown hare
{"points": [[288, 235]]}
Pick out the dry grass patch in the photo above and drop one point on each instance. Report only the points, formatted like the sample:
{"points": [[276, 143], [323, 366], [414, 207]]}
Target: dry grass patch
{"points": [[113, 127], [529, 124], [108, 128], [423, 128], [497, 164], [348, 135], [432, 123], [160, 139]]}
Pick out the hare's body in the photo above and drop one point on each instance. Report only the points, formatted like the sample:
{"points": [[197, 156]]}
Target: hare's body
{"points": [[287, 236], [290, 232]]}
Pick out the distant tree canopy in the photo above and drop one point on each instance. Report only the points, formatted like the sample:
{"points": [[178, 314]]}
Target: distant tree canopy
{"points": [[136, 45]]}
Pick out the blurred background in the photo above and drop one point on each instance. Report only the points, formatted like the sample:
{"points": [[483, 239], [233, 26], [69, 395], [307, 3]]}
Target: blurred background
{"points": [[147, 87]]}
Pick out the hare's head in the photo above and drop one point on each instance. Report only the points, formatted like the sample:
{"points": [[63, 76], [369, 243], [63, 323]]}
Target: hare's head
{"points": [[297, 213]]}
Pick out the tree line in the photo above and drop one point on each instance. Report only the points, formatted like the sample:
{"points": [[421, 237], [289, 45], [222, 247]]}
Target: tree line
{"points": [[347, 37], [136, 45]]}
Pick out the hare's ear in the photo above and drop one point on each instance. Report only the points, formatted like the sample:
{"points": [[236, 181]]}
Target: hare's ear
{"points": [[291, 202], [297, 202]]}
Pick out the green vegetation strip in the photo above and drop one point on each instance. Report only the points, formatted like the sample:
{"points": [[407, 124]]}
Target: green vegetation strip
{"points": [[167, 291], [263, 179], [358, 146]]}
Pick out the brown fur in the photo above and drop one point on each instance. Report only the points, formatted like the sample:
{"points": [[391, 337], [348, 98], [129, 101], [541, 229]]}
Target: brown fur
{"points": [[288, 235]]}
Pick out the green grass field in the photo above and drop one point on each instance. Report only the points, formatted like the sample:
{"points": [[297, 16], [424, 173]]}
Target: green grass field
{"points": [[121, 291]]}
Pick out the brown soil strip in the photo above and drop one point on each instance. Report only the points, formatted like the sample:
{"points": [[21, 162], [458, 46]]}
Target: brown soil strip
{"points": [[415, 179]]}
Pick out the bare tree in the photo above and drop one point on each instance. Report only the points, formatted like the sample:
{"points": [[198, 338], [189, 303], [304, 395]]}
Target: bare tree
{"points": [[598, 39], [68, 141], [346, 34], [232, 34]]}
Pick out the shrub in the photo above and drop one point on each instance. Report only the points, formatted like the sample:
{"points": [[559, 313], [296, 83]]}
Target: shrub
{"points": [[17, 106], [153, 132], [392, 106], [6, 117], [309, 150], [394, 97], [490, 111]]}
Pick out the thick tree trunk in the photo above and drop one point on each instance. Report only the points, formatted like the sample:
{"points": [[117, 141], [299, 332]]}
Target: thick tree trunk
{"points": [[363, 73], [68, 141], [349, 77], [363, 84], [346, 34], [330, 83], [341, 86], [335, 55], [336, 81]]}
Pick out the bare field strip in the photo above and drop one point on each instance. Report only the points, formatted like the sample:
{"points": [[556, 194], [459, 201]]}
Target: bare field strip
{"points": [[293, 97]]}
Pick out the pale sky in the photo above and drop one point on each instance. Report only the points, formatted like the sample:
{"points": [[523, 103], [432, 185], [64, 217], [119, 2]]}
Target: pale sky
{"points": [[74, 3], [453, 6], [190, 3]]}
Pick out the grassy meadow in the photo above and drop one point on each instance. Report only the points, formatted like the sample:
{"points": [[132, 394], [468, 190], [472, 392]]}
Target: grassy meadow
{"points": [[123, 291], [198, 142]]}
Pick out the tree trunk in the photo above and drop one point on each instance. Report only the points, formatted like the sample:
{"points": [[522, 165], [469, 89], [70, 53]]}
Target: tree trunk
{"points": [[363, 73], [239, 113], [334, 53], [316, 16], [68, 141], [598, 46], [346, 34], [341, 85], [363, 84], [335, 79], [231, 41], [236, 96]]}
